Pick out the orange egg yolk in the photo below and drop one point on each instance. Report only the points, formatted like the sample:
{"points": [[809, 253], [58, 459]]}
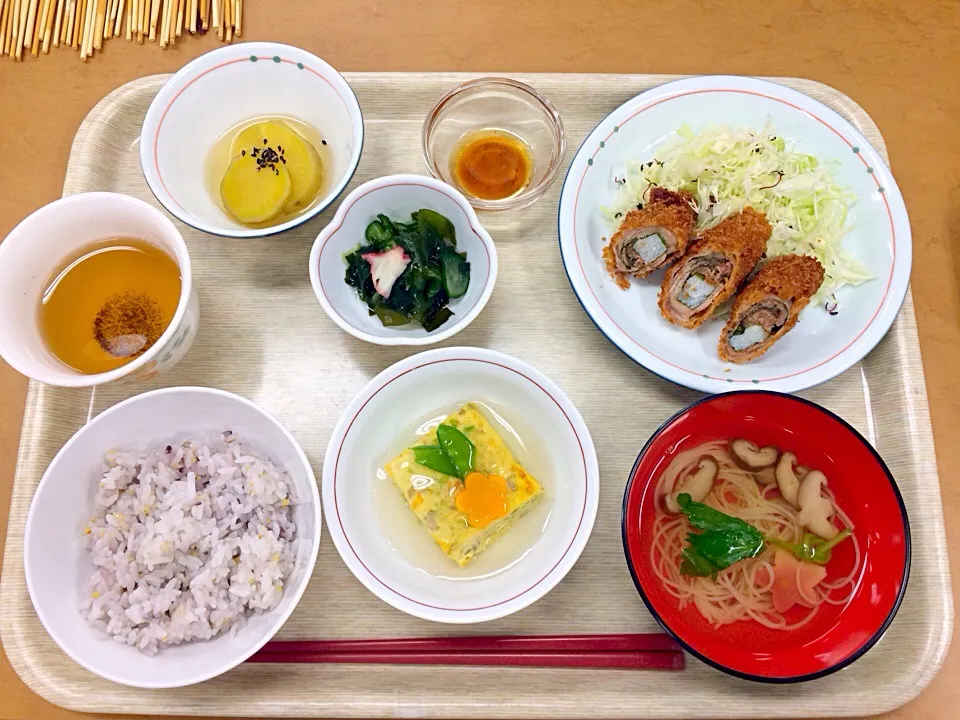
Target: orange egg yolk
{"points": [[483, 499]]}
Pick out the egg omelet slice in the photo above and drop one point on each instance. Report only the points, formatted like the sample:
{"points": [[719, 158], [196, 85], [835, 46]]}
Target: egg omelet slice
{"points": [[430, 494]]}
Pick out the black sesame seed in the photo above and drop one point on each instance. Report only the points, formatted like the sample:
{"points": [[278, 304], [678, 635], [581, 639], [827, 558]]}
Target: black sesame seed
{"points": [[324, 142], [243, 153], [264, 141], [279, 148]]}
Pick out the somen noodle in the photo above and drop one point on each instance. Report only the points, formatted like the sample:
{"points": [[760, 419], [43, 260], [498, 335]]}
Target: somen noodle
{"points": [[744, 589]]}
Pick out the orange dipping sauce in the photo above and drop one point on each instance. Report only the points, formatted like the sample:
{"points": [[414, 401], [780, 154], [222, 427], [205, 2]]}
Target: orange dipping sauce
{"points": [[492, 164]]}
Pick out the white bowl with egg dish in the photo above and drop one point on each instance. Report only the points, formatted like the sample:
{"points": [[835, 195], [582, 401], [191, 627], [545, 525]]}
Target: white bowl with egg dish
{"points": [[251, 139], [118, 555], [94, 288], [406, 235], [460, 485]]}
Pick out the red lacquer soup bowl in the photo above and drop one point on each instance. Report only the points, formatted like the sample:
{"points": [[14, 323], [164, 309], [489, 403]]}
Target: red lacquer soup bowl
{"points": [[864, 488]]}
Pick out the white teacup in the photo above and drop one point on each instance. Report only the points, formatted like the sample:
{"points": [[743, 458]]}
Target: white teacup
{"points": [[37, 248]]}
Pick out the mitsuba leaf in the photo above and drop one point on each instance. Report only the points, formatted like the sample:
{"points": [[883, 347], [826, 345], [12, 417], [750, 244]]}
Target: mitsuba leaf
{"points": [[723, 547], [695, 564], [724, 540]]}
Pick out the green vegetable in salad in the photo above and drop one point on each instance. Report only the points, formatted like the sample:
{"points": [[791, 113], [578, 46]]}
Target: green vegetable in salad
{"points": [[409, 271]]}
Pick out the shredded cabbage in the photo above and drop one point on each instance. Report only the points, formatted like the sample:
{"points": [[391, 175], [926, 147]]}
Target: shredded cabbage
{"points": [[728, 168]]}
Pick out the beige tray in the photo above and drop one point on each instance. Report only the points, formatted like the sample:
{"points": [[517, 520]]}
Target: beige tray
{"points": [[263, 335]]}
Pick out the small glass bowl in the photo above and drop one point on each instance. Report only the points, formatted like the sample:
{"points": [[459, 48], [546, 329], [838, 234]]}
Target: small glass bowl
{"points": [[494, 103]]}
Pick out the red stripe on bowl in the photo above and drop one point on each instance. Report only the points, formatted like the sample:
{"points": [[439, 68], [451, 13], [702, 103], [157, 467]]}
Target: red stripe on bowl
{"points": [[346, 537]]}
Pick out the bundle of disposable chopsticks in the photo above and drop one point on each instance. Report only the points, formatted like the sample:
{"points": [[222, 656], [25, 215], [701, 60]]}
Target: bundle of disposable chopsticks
{"points": [[29, 26]]}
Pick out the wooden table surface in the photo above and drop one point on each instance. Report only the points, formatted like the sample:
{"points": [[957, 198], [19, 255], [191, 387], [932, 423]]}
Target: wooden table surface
{"points": [[900, 61]]}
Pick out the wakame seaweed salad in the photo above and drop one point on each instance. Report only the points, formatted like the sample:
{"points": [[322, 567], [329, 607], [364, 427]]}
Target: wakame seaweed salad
{"points": [[409, 271]]}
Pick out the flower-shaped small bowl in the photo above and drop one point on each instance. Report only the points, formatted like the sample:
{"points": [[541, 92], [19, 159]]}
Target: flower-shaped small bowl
{"points": [[397, 196]]}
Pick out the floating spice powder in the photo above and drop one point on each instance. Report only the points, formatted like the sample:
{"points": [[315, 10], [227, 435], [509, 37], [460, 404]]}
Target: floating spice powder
{"points": [[110, 304], [128, 324]]}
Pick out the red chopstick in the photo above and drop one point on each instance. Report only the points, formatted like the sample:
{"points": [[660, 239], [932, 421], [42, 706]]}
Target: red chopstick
{"points": [[635, 660], [633, 651], [482, 643]]}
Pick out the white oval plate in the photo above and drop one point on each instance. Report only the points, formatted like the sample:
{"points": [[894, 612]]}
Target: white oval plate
{"points": [[382, 542], [820, 346]]}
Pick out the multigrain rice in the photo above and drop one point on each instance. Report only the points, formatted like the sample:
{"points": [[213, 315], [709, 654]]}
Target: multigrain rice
{"points": [[187, 541]]}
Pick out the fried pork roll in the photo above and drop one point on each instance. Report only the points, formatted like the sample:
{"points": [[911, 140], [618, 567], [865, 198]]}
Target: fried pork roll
{"points": [[713, 268], [768, 306], [651, 237]]}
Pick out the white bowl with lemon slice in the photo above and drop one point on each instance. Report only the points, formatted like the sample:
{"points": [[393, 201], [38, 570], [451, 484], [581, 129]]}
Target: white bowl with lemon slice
{"points": [[251, 140]]}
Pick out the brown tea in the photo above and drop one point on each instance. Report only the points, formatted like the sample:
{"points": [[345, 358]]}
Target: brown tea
{"points": [[110, 304]]}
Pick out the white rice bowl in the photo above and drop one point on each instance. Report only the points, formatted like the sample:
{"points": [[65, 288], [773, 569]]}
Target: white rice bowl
{"points": [[187, 540], [205, 551]]}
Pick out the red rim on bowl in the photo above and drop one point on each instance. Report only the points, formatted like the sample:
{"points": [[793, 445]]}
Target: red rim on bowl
{"points": [[864, 488]]}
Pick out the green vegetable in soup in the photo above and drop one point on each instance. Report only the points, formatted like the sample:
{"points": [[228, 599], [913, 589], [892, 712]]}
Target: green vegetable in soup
{"points": [[812, 548], [453, 454], [724, 540], [695, 564]]}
